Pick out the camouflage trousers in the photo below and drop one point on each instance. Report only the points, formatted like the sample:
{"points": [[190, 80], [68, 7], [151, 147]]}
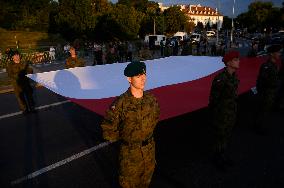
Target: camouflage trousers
{"points": [[222, 130], [137, 164]]}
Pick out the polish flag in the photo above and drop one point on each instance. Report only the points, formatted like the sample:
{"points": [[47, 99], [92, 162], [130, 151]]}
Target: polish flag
{"points": [[181, 84]]}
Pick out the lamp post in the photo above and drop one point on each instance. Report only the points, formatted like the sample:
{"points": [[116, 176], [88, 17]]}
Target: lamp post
{"points": [[218, 10], [233, 21]]}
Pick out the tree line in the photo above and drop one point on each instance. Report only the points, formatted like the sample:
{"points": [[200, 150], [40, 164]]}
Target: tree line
{"points": [[101, 20]]}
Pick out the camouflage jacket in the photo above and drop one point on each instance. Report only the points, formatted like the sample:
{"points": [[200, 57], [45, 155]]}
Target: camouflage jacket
{"points": [[74, 62], [268, 78], [17, 72], [223, 95], [130, 119]]}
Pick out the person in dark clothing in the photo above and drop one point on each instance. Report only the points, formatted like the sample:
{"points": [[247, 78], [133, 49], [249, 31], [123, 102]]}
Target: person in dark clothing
{"points": [[17, 71], [267, 85], [223, 107]]}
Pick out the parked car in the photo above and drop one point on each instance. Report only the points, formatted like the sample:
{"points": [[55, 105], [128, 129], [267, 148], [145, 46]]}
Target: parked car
{"points": [[154, 40]]}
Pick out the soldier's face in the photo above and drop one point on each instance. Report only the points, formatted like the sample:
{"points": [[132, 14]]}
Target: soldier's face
{"points": [[235, 63], [16, 58], [138, 82], [72, 51]]}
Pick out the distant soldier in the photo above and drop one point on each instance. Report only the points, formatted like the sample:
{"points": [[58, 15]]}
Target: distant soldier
{"points": [[17, 71], [162, 47], [131, 119], [223, 107], [51, 54], [267, 85], [73, 60]]}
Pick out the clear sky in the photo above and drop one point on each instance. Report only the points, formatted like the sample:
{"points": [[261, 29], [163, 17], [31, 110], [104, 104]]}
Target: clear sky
{"points": [[226, 6]]}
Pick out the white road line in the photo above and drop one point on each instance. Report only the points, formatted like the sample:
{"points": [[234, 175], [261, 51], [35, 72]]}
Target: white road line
{"points": [[60, 163], [37, 108]]}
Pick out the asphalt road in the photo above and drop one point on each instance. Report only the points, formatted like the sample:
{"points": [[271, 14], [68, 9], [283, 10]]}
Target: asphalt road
{"points": [[62, 146]]}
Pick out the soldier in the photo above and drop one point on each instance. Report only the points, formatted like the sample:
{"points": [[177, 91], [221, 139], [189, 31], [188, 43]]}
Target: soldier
{"points": [[131, 120], [73, 60], [267, 85], [17, 71], [223, 107]]}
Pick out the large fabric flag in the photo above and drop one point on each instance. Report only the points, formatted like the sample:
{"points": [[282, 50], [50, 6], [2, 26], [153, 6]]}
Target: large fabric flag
{"points": [[180, 83]]}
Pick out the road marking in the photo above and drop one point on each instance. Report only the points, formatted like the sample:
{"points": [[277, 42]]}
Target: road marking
{"points": [[60, 163], [37, 108]]}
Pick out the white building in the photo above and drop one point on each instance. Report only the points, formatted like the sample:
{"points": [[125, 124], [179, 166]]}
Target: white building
{"points": [[198, 13]]}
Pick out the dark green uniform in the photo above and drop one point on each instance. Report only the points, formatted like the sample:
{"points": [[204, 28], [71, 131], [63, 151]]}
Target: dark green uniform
{"points": [[132, 121], [223, 107], [21, 84], [267, 86], [72, 62]]}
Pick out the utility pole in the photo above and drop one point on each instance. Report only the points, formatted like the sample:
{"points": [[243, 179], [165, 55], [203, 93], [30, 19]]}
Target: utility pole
{"points": [[233, 21], [218, 11], [154, 26]]}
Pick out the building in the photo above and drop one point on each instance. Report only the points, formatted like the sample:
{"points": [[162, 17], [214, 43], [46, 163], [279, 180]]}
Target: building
{"points": [[203, 14], [198, 13]]}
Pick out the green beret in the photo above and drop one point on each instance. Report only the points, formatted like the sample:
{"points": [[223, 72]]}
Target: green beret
{"points": [[135, 68]]}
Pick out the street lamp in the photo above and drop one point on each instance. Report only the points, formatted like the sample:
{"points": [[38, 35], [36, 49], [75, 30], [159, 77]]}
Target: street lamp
{"points": [[218, 10], [233, 21]]}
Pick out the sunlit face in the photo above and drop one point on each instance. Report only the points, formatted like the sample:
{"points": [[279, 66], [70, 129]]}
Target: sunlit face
{"points": [[234, 63], [16, 58], [138, 82], [72, 52]]}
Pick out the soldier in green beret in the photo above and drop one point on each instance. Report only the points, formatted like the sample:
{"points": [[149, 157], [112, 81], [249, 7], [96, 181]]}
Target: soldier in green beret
{"points": [[17, 71], [73, 60], [131, 120], [223, 107], [267, 85]]}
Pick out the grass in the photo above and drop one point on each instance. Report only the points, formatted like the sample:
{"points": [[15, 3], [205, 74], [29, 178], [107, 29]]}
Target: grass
{"points": [[28, 40]]}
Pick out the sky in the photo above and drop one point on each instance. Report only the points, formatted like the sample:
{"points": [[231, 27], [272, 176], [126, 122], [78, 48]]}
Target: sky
{"points": [[226, 6]]}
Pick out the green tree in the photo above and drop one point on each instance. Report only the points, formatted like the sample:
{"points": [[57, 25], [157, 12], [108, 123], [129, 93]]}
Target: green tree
{"points": [[260, 16], [76, 17], [121, 23], [175, 19]]}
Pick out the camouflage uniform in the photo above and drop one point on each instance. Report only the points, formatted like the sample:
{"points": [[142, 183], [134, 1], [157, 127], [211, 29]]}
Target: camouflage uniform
{"points": [[132, 121], [21, 84], [72, 62], [223, 107], [266, 85]]}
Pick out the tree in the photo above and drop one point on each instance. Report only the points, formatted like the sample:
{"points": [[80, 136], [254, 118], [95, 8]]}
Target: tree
{"points": [[26, 14], [76, 17], [175, 19], [260, 16], [121, 23]]}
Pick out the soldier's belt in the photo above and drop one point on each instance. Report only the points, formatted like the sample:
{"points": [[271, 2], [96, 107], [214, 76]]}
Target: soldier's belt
{"points": [[141, 143]]}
